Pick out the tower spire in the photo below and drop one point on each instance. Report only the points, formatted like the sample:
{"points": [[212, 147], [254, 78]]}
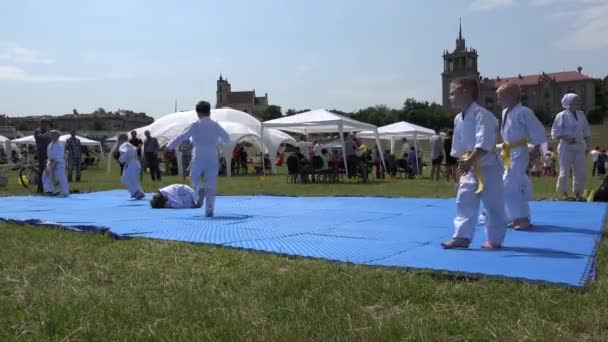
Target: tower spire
{"points": [[460, 31]]}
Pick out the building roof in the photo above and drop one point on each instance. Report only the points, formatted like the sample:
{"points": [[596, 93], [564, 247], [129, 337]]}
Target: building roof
{"points": [[241, 97], [531, 80]]}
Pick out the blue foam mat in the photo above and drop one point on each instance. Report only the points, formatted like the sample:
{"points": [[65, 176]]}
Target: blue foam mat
{"points": [[396, 232]]}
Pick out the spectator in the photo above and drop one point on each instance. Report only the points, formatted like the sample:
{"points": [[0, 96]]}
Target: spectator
{"points": [[594, 154], [317, 150], [414, 162], [42, 142], [405, 148], [350, 148], [450, 161], [305, 147], [151, 149], [436, 155], [74, 150], [601, 163]]}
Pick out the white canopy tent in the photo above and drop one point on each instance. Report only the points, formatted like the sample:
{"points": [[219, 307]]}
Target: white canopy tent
{"points": [[30, 140], [240, 125], [322, 121], [8, 146], [399, 130]]}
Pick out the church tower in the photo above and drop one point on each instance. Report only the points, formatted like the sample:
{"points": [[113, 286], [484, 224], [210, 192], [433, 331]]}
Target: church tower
{"points": [[221, 94], [461, 63]]}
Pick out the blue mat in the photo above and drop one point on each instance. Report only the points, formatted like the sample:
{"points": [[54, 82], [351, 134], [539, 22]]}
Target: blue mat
{"points": [[398, 232]]}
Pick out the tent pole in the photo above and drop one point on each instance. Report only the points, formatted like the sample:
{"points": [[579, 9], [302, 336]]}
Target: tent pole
{"points": [[262, 149], [416, 151], [380, 149], [341, 130], [392, 144]]}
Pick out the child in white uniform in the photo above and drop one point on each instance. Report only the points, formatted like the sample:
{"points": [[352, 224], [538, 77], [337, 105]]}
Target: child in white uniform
{"points": [[176, 196], [206, 135], [480, 170], [55, 167], [573, 131], [519, 126], [132, 167]]}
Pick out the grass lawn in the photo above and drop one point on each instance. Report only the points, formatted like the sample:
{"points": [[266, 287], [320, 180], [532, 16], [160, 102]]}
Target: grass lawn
{"points": [[59, 285]]}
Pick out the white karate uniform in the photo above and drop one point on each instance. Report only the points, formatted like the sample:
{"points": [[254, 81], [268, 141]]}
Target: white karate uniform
{"points": [[180, 196], [478, 129], [56, 164], [131, 169], [206, 135], [571, 155], [519, 123]]}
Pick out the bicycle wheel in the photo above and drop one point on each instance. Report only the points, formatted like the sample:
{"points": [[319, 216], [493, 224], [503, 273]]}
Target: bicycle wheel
{"points": [[28, 177]]}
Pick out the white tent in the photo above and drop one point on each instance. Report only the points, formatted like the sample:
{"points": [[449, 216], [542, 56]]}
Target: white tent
{"points": [[399, 130], [240, 125], [30, 140], [322, 121], [8, 146]]}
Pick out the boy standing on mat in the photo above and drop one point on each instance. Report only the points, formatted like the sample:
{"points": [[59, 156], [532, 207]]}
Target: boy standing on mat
{"points": [[519, 127], [55, 167], [206, 135], [479, 171], [132, 167]]}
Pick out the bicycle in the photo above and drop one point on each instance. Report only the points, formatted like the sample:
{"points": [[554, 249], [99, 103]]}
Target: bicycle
{"points": [[29, 177]]}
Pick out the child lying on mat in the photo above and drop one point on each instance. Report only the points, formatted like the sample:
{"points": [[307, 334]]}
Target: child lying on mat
{"points": [[176, 196]]}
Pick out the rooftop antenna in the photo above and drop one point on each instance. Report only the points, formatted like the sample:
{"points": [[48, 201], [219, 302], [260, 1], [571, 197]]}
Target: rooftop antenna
{"points": [[175, 106]]}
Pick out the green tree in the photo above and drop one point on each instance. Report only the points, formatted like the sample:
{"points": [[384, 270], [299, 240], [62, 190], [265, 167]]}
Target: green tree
{"points": [[272, 112], [596, 115]]}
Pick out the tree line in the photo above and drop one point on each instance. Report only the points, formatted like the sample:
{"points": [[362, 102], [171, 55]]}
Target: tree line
{"points": [[433, 115]]}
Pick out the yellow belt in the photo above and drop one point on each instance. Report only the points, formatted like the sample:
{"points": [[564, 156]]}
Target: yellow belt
{"points": [[506, 151], [477, 170]]}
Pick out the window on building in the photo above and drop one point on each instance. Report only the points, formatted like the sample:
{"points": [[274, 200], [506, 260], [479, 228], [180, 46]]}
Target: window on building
{"points": [[524, 99]]}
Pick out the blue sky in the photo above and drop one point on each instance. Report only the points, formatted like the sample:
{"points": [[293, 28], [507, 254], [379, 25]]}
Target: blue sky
{"points": [[142, 55]]}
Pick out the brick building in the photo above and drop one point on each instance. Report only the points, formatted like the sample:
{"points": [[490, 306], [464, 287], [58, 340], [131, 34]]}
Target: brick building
{"points": [[245, 101]]}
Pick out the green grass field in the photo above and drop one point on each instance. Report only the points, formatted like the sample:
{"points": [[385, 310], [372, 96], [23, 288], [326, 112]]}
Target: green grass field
{"points": [[64, 286]]}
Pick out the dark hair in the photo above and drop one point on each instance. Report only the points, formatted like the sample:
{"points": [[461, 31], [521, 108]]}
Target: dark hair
{"points": [[158, 201], [450, 132], [203, 108], [437, 130], [324, 151], [469, 84]]}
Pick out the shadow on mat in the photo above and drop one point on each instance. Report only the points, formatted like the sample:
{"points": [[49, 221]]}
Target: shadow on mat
{"points": [[557, 229], [218, 218], [541, 252]]}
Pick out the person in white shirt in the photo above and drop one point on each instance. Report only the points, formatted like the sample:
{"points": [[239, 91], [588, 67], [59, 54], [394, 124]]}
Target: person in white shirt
{"points": [[480, 170], [519, 127], [131, 166], [405, 148], [594, 155], [176, 196], [573, 131], [436, 155], [206, 135], [305, 147], [316, 150], [55, 167]]}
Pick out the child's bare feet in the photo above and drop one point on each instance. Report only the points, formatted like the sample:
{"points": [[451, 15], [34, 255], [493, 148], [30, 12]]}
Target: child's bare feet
{"points": [[456, 243]]}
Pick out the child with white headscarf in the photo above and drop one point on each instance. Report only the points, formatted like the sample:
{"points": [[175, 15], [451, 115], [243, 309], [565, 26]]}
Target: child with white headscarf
{"points": [[573, 131]]}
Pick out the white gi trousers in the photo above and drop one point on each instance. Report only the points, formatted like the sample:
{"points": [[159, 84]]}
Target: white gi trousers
{"points": [[571, 157], [207, 168], [130, 176], [468, 202], [58, 175], [517, 185]]}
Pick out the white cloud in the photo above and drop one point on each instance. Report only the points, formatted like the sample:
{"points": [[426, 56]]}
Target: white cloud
{"points": [[587, 25], [13, 53], [15, 73], [489, 5]]}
